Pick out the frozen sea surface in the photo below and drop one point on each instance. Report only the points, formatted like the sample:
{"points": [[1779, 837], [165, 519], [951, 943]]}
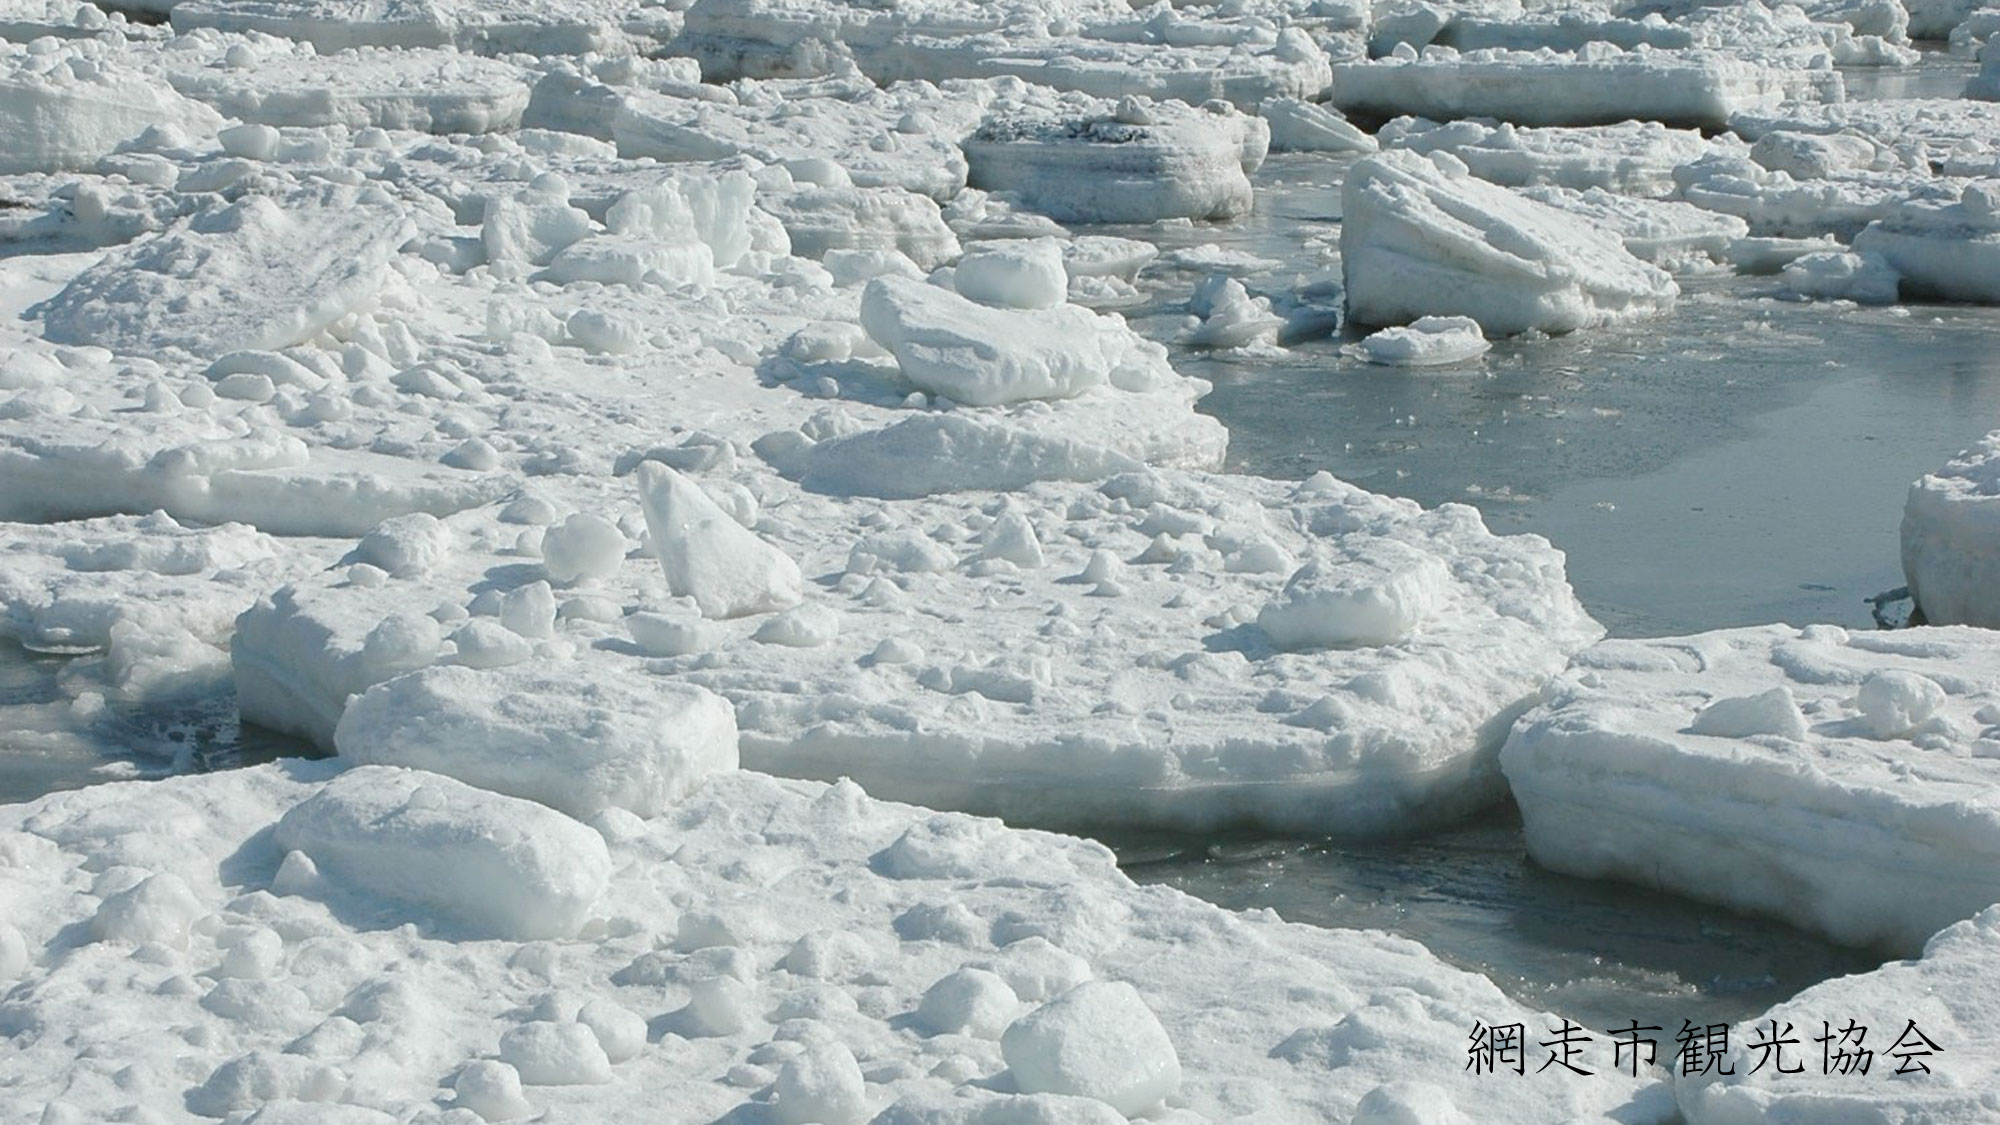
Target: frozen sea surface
{"points": [[1741, 460]]}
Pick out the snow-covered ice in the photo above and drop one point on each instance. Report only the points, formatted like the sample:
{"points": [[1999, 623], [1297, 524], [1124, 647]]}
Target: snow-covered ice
{"points": [[1842, 781], [766, 949], [1367, 653], [556, 407]]}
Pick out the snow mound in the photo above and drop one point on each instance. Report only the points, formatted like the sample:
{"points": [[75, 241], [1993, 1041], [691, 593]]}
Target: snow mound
{"points": [[1951, 538], [257, 274], [1837, 781], [577, 742], [1422, 237], [485, 864], [1098, 1040]]}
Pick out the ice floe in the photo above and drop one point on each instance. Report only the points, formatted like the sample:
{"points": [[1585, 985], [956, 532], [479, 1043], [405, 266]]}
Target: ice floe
{"points": [[1841, 780]]}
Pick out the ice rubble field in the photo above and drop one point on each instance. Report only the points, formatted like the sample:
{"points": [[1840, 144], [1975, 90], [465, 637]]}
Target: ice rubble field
{"points": [[575, 414]]}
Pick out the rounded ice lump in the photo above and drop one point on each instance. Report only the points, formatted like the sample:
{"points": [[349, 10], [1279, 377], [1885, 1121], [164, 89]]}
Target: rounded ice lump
{"points": [[483, 863]]}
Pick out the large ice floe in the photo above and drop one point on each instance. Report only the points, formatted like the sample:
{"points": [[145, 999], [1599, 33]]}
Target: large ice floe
{"points": [[1840, 780], [1320, 657]]}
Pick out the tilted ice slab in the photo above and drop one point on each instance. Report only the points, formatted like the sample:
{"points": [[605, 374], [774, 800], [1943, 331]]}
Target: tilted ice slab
{"points": [[422, 89], [260, 273], [1592, 88], [1421, 236], [1951, 539], [1948, 250], [1947, 995], [749, 949], [1146, 162], [1843, 782], [879, 140], [1632, 158], [1167, 648], [487, 27], [65, 108]]}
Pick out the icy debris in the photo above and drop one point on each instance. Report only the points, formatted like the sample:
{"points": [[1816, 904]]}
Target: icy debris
{"points": [[70, 586], [1428, 341], [846, 134], [1384, 715], [1630, 158], [707, 556], [575, 741], [1772, 741], [484, 864], [487, 27], [257, 274], [1951, 539], [1422, 237], [1227, 316], [1179, 162], [819, 220]]}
